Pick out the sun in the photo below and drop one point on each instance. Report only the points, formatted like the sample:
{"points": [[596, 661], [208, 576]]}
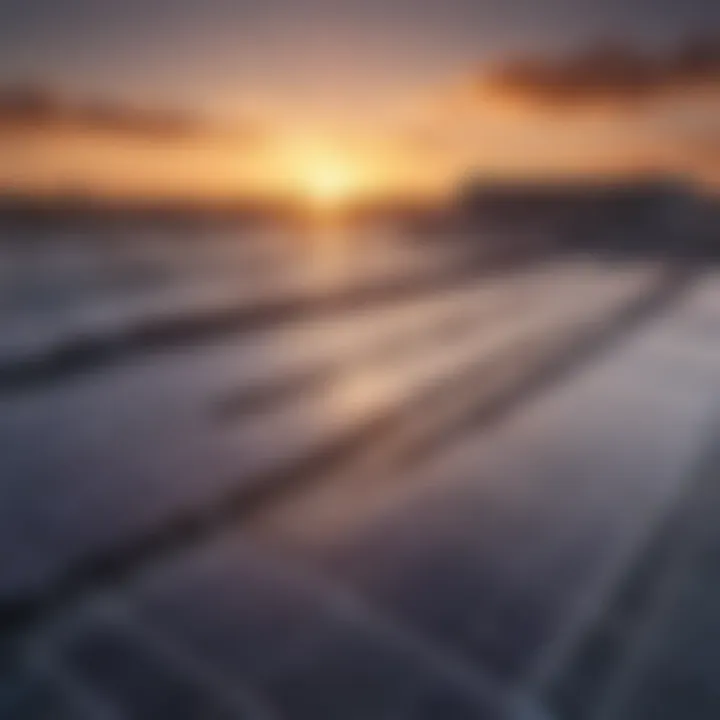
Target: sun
{"points": [[329, 184], [327, 177]]}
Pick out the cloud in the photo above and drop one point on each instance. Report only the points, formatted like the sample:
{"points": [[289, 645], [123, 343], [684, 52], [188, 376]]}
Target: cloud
{"points": [[614, 74], [40, 109]]}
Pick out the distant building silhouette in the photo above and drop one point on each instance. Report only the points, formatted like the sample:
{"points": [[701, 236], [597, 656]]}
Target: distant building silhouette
{"points": [[629, 216]]}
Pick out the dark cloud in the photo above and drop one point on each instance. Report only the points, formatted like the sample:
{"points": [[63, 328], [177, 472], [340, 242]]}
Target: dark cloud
{"points": [[40, 109], [612, 73]]}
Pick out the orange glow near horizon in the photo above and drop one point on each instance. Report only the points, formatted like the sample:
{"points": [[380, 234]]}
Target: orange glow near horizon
{"points": [[328, 166]]}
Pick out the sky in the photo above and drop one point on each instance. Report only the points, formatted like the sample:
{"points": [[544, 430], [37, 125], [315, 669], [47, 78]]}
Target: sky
{"points": [[378, 94]]}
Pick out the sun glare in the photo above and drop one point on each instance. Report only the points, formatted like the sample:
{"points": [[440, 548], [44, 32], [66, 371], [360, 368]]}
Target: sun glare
{"points": [[329, 185], [324, 177]]}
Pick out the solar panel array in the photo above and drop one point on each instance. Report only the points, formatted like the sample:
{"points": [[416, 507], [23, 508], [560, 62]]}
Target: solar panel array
{"points": [[251, 478]]}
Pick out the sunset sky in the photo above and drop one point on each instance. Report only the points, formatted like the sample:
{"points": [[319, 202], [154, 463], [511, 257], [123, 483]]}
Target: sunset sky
{"points": [[146, 97]]}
